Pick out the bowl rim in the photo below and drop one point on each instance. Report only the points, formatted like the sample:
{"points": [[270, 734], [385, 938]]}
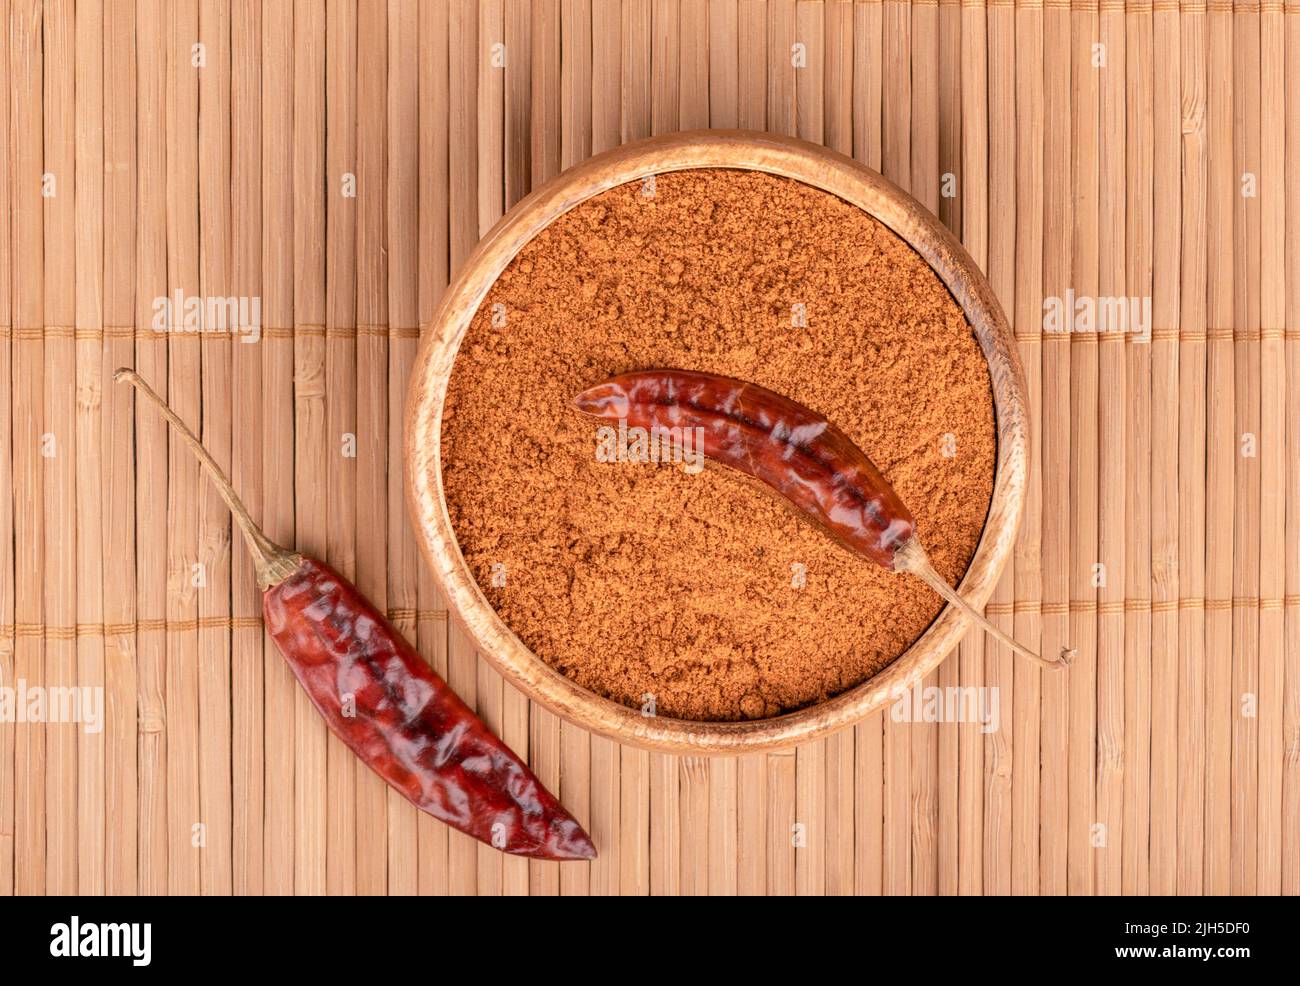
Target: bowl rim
{"points": [[440, 341]]}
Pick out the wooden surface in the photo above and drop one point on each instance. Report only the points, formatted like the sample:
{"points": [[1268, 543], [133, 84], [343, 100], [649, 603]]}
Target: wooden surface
{"points": [[1164, 164]]}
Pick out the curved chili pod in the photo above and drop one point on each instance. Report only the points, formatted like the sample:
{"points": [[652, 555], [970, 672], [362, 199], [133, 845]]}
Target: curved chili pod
{"points": [[379, 697], [773, 439], [792, 449]]}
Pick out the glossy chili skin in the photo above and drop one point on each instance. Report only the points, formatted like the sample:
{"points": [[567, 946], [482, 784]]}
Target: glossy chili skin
{"points": [[408, 725], [772, 439]]}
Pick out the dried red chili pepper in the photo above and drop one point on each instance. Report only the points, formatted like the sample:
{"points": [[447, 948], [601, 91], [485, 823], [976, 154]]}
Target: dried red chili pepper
{"points": [[402, 720], [791, 449]]}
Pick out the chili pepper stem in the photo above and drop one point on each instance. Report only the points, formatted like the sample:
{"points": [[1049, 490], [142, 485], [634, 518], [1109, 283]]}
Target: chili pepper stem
{"points": [[911, 557], [272, 563]]}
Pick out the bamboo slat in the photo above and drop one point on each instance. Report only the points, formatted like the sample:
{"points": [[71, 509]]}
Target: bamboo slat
{"points": [[1192, 459], [1135, 692], [782, 59], [1246, 519], [1271, 680], [999, 665], [341, 396], [186, 572], [117, 461], [1085, 572], [1222, 192], [151, 453], [1027, 681], [665, 66], [1291, 641], [723, 51], [89, 202], [403, 290], [7, 737], [1166, 574], [310, 470], [1113, 435], [218, 423], [1058, 218], [59, 454], [751, 39], [372, 372], [402, 201], [278, 418], [248, 755]]}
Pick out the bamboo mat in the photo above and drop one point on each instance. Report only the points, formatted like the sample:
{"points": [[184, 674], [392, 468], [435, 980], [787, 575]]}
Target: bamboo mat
{"points": [[337, 161]]}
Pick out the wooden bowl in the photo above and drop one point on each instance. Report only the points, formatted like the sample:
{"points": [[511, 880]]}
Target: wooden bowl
{"points": [[775, 155]]}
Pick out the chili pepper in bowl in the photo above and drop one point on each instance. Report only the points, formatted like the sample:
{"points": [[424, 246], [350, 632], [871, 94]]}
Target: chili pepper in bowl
{"points": [[378, 696], [796, 452]]}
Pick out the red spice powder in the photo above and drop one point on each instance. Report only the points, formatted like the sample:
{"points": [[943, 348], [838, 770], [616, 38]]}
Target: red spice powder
{"points": [[706, 592]]}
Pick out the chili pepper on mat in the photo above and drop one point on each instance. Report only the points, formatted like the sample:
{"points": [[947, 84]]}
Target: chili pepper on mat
{"points": [[796, 452], [403, 721]]}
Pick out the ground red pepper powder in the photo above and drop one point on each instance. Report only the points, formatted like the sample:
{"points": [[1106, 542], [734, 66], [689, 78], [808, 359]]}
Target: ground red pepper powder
{"points": [[706, 591]]}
